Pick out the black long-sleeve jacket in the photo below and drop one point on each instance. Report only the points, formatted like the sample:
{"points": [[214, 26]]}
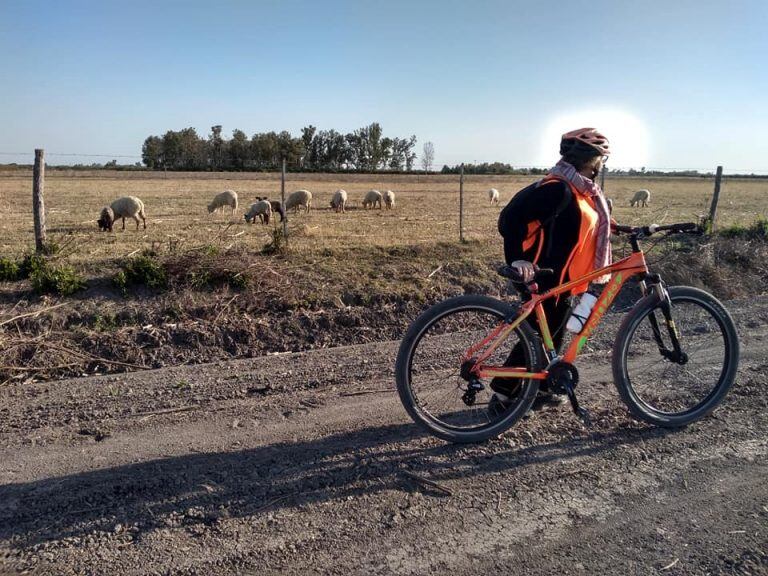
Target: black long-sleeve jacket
{"points": [[553, 242]]}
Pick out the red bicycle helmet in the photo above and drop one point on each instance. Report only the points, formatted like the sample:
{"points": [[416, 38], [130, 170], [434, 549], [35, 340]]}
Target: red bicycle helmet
{"points": [[589, 136]]}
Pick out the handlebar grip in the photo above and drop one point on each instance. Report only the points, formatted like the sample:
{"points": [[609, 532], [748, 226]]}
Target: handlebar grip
{"points": [[511, 273], [508, 272]]}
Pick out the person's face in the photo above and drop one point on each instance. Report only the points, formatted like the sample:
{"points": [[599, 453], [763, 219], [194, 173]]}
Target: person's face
{"points": [[592, 168], [601, 160]]}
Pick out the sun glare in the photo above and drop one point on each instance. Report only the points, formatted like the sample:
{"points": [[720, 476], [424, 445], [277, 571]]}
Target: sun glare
{"points": [[626, 132]]}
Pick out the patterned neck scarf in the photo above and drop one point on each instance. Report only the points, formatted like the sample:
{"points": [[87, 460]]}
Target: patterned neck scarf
{"points": [[587, 187]]}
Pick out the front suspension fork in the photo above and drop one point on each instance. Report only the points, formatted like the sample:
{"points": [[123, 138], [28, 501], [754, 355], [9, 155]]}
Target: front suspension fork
{"points": [[675, 355]]}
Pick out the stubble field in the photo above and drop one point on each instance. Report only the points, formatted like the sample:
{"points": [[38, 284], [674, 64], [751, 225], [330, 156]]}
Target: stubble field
{"points": [[427, 209]]}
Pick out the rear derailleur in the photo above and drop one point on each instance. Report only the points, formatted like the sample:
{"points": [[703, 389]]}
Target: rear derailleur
{"points": [[473, 383]]}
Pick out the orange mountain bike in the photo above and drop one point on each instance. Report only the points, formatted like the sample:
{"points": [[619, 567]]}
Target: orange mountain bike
{"points": [[674, 358]]}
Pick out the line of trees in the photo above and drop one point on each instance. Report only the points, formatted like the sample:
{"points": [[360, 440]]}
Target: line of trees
{"points": [[491, 168], [365, 149], [503, 168]]}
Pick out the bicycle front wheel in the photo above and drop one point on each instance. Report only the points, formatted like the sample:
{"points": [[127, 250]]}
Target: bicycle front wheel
{"points": [[428, 369], [671, 391]]}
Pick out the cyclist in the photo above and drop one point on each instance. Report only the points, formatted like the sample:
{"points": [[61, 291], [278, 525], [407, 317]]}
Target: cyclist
{"points": [[561, 222]]}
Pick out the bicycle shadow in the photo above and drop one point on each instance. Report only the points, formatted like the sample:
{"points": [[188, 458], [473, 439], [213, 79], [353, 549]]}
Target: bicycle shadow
{"points": [[199, 488]]}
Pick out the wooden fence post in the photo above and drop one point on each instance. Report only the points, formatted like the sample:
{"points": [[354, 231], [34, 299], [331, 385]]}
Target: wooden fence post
{"points": [[282, 199], [461, 204], [38, 205], [715, 199]]}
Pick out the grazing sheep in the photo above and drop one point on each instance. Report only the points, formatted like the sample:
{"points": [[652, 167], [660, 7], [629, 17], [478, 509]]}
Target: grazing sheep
{"points": [[106, 218], [609, 202], [262, 209], [493, 196], [339, 201], [297, 199], [389, 199], [125, 207], [641, 198], [226, 198], [276, 206], [372, 198]]}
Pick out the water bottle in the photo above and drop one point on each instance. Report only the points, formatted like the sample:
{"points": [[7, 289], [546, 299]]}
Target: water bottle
{"points": [[581, 312]]}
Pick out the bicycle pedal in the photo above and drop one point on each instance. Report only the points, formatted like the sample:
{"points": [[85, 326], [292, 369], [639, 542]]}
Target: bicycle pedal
{"points": [[583, 415]]}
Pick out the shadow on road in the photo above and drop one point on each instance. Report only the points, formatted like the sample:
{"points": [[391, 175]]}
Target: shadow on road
{"points": [[202, 488]]}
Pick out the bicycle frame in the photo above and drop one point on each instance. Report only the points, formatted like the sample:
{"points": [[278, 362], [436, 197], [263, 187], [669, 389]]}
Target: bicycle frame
{"points": [[620, 271]]}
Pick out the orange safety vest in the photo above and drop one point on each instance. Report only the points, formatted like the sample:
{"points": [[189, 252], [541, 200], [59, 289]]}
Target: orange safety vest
{"points": [[581, 260]]}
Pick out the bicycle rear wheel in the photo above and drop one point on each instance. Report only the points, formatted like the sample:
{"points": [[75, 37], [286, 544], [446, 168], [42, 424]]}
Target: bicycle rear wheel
{"points": [[664, 391], [429, 364]]}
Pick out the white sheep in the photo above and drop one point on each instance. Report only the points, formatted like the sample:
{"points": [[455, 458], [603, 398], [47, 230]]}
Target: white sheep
{"points": [[641, 198], [339, 201], [609, 202], [297, 199], [372, 198], [226, 198], [493, 196], [262, 209], [389, 199], [125, 207]]}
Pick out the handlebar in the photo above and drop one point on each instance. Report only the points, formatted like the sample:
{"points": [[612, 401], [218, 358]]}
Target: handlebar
{"points": [[643, 231], [511, 273]]}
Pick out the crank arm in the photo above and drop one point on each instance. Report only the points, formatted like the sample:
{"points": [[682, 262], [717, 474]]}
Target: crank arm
{"points": [[580, 412]]}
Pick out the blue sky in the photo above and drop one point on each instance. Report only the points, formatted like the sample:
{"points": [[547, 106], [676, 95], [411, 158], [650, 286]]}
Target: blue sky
{"points": [[680, 84]]}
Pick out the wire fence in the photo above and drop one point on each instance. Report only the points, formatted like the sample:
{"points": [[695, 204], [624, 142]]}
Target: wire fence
{"points": [[462, 196]]}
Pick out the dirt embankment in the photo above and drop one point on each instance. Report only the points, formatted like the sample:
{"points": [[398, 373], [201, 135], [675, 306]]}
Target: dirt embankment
{"points": [[293, 303]]}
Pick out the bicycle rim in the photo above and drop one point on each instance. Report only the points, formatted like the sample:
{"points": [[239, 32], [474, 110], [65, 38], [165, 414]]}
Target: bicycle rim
{"points": [[437, 390], [665, 388]]}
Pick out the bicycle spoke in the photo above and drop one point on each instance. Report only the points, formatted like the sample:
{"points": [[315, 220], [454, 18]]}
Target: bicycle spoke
{"points": [[667, 386], [435, 370], [442, 398]]}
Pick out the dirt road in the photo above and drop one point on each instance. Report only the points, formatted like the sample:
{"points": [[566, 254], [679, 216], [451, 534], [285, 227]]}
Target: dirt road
{"points": [[305, 463]]}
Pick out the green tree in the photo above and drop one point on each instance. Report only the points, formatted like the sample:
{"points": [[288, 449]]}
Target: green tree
{"points": [[290, 148], [239, 150], [216, 146], [152, 152], [334, 151], [378, 148], [193, 156], [172, 153], [310, 153], [402, 155], [264, 148]]}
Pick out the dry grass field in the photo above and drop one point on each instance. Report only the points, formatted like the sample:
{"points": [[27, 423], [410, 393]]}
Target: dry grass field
{"points": [[427, 209]]}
